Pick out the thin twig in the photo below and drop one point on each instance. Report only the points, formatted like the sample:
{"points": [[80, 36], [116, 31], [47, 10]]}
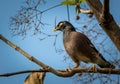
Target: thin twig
{"points": [[51, 8], [68, 13]]}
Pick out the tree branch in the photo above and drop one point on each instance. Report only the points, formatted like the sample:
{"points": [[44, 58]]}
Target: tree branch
{"points": [[106, 7], [23, 52], [105, 12], [64, 73]]}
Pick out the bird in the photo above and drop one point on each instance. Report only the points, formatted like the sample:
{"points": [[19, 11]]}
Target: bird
{"points": [[79, 47]]}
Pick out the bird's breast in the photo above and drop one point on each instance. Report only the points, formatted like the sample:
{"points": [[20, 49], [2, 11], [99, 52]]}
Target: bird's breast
{"points": [[69, 48]]}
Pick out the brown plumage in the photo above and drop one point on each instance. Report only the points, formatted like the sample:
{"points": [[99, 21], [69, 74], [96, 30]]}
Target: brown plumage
{"points": [[79, 47]]}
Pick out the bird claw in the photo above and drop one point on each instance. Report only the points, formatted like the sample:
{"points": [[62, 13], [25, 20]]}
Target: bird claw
{"points": [[69, 70], [93, 68]]}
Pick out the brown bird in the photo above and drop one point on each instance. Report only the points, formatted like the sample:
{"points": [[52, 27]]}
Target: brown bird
{"points": [[79, 47]]}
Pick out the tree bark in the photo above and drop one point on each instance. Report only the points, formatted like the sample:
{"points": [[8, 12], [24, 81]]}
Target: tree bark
{"points": [[106, 20]]}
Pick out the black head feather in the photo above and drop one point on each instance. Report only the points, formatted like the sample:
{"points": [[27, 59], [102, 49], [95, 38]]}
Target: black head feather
{"points": [[64, 25]]}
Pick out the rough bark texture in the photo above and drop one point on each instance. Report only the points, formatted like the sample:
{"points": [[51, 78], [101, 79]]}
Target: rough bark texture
{"points": [[106, 20]]}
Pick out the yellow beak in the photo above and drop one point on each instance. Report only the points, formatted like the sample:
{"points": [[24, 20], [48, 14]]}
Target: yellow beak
{"points": [[55, 29]]}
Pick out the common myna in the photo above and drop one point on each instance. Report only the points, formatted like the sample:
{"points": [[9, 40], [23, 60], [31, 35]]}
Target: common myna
{"points": [[79, 47]]}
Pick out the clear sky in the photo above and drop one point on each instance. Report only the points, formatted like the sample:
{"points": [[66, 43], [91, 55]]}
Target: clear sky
{"points": [[11, 60]]}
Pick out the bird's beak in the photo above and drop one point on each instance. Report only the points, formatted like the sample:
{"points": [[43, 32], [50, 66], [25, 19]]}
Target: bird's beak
{"points": [[55, 29]]}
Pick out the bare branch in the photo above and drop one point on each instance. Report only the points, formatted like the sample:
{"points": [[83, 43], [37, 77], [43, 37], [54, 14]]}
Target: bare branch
{"points": [[20, 72], [51, 8], [23, 52], [37, 4], [64, 73], [68, 13], [28, 18]]}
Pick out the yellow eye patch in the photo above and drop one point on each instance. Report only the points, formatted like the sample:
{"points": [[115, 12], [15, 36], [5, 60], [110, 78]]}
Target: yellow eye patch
{"points": [[60, 24]]}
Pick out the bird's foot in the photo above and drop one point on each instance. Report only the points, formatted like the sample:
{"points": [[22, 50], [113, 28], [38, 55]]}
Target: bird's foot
{"points": [[93, 68], [75, 67]]}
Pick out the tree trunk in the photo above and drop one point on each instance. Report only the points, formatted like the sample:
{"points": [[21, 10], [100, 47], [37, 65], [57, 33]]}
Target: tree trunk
{"points": [[106, 20]]}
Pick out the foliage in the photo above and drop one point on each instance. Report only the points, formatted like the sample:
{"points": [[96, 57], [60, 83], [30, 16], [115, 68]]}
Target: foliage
{"points": [[72, 2]]}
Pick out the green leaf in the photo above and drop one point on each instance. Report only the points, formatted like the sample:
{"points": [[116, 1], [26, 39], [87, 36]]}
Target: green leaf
{"points": [[82, 1], [72, 2], [68, 2]]}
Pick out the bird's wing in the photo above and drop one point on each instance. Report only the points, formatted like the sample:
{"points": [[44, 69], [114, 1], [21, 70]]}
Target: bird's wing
{"points": [[86, 47]]}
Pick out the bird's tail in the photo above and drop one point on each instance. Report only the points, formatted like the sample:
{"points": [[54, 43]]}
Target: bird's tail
{"points": [[104, 63], [107, 65]]}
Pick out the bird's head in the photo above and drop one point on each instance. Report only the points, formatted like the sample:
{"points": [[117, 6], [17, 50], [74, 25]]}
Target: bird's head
{"points": [[64, 25]]}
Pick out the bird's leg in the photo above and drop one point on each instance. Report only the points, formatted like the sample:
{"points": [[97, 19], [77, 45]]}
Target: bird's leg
{"points": [[76, 65]]}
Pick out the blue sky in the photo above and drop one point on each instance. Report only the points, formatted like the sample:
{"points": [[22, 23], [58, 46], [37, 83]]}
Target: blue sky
{"points": [[44, 50]]}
